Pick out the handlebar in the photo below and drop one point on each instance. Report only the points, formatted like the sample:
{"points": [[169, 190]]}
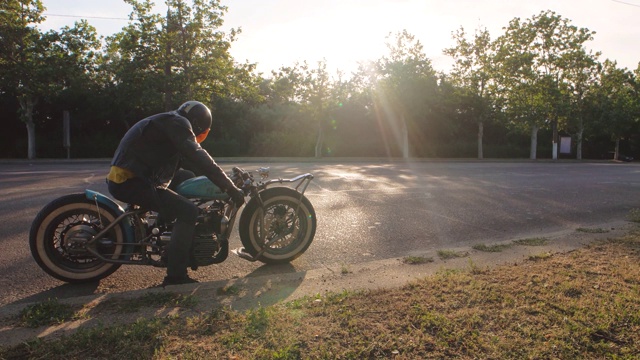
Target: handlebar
{"points": [[245, 181]]}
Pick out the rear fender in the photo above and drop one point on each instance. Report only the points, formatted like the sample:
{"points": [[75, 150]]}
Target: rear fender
{"points": [[127, 227]]}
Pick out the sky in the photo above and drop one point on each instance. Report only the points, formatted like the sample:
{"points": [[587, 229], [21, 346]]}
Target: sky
{"points": [[278, 33]]}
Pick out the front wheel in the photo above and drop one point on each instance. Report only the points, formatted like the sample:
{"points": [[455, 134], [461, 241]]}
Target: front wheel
{"points": [[60, 236], [289, 218]]}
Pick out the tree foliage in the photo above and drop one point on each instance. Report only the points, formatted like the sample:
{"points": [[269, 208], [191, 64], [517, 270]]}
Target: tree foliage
{"points": [[37, 67], [536, 77]]}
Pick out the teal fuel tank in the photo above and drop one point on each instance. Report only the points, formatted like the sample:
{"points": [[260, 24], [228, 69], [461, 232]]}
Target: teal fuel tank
{"points": [[201, 187]]}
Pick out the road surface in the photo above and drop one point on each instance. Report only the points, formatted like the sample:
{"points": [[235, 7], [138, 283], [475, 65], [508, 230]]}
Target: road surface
{"points": [[366, 211]]}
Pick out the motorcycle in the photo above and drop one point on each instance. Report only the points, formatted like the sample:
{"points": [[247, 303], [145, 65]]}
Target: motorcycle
{"points": [[86, 237]]}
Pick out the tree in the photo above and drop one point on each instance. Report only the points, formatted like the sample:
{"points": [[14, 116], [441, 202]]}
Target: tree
{"points": [[158, 62], [20, 65], [38, 65], [532, 65], [404, 87], [198, 52], [278, 122], [580, 79], [472, 74], [618, 103], [133, 64], [314, 94], [353, 129]]}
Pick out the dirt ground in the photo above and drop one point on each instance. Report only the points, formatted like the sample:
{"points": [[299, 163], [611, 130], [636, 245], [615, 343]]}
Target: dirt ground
{"points": [[244, 293]]}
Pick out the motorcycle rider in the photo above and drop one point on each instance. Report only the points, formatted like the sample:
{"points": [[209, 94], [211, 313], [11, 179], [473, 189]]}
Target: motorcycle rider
{"points": [[145, 171]]}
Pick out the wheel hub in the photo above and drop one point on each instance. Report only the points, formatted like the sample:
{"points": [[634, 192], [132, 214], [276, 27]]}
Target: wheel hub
{"points": [[76, 238], [279, 220]]}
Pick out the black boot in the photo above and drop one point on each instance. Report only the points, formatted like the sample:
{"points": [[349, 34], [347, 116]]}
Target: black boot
{"points": [[177, 281], [178, 254]]}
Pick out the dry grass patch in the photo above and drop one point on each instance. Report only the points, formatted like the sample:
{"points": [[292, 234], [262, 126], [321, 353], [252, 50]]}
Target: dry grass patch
{"points": [[580, 305]]}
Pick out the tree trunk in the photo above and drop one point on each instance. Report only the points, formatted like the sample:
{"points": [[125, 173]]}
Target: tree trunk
{"points": [[616, 155], [31, 136], [554, 140], [405, 138], [534, 142], [480, 136], [27, 104], [579, 140], [320, 141]]}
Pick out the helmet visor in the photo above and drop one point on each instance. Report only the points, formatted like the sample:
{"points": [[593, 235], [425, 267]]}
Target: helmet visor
{"points": [[200, 138]]}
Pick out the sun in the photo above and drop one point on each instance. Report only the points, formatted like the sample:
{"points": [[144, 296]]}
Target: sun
{"points": [[342, 33]]}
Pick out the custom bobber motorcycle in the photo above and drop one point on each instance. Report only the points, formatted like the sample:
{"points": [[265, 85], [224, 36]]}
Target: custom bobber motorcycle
{"points": [[87, 236]]}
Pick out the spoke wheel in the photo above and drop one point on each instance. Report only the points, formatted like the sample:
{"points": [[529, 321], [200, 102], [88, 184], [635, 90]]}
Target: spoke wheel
{"points": [[60, 235], [288, 225]]}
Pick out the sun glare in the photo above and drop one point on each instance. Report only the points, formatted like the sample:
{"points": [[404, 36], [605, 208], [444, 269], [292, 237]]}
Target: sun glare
{"points": [[345, 33]]}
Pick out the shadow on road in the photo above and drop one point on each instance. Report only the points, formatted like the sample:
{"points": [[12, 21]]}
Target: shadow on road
{"points": [[267, 285], [65, 291]]}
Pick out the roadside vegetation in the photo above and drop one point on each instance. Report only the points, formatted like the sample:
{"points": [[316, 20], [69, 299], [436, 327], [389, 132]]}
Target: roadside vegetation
{"points": [[539, 80], [583, 304]]}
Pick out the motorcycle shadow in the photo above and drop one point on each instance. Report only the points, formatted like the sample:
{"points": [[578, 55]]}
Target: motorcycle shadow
{"points": [[265, 286], [64, 291]]}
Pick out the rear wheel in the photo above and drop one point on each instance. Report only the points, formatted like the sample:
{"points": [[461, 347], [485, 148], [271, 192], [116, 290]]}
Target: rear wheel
{"points": [[59, 239], [290, 221]]}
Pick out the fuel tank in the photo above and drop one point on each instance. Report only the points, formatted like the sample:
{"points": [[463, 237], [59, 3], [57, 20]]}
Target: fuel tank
{"points": [[201, 187]]}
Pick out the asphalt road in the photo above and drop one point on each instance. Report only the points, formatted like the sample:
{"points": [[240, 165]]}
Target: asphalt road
{"points": [[366, 211]]}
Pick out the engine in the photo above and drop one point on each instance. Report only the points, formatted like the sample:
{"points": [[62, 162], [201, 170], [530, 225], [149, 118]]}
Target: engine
{"points": [[209, 247], [209, 243], [209, 222]]}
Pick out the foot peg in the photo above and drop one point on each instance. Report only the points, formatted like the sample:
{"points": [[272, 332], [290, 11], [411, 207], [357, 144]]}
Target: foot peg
{"points": [[243, 254]]}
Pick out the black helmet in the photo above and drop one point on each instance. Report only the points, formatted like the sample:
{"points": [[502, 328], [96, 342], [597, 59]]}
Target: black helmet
{"points": [[199, 116]]}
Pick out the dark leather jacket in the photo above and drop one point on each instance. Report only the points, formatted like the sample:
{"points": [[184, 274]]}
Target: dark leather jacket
{"points": [[154, 147]]}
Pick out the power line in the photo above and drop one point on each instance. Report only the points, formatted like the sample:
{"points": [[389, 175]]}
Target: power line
{"points": [[86, 17], [626, 3]]}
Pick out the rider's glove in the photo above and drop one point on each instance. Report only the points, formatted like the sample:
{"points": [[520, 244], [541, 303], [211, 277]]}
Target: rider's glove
{"points": [[237, 196]]}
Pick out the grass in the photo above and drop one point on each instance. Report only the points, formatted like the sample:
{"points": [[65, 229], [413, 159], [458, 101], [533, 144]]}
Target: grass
{"points": [[541, 256], [49, 312], [491, 248], [584, 304], [417, 260], [228, 290], [344, 270], [475, 269], [451, 254], [634, 215], [593, 230], [531, 241]]}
